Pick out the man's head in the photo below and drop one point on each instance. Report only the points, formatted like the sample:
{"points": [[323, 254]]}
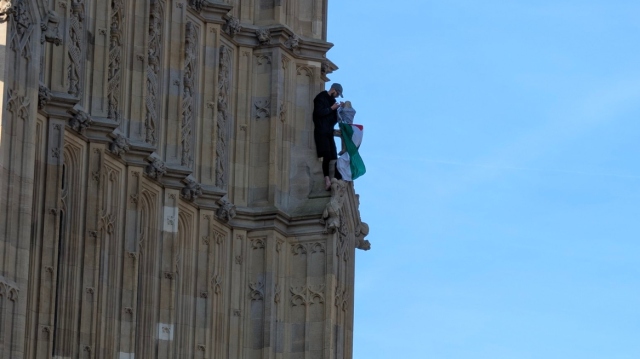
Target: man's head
{"points": [[335, 90]]}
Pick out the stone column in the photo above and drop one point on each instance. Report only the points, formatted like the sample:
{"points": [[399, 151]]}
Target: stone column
{"points": [[19, 55]]}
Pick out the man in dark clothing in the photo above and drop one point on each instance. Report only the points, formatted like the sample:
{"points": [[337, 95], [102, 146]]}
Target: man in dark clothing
{"points": [[325, 117]]}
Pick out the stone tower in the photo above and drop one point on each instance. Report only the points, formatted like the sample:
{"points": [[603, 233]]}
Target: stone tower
{"points": [[159, 191]]}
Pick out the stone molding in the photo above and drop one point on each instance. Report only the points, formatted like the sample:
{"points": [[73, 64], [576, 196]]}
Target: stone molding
{"points": [[307, 49]]}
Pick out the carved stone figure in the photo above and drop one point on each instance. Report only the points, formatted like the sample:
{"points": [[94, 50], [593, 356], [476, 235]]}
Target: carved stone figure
{"points": [[191, 190], [264, 36], [156, 169], [224, 115], [50, 28], [361, 232], [76, 44], [80, 121], [331, 213], [5, 10], [120, 145], [44, 96], [232, 26], [197, 4], [227, 210], [293, 42], [324, 67]]}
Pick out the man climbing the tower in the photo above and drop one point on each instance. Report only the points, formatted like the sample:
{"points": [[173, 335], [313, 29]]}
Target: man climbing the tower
{"points": [[325, 117]]}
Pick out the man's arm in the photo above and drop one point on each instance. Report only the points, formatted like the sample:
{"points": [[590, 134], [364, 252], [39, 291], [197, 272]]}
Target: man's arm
{"points": [[321, 107]]}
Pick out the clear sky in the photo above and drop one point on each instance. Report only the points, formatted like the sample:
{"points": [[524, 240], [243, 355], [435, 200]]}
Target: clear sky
{"points": [[502, 144]]}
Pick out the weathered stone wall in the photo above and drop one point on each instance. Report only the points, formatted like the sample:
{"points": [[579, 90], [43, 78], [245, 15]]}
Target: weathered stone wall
{"points": [[160, 196]]}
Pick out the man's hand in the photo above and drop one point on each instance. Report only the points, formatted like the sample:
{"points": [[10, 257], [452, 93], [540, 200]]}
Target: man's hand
{"points": [[335, 106]]}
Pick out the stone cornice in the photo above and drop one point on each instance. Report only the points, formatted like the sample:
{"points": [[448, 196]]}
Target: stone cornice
{"points": [[100, 129], [272, 218], [60, 104], [307, 48], [215, 12], [138, 153]]}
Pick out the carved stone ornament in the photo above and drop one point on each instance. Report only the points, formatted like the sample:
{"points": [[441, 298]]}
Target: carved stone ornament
{"points": [[8, 289], [21, 27], [153, 72], [188, 94], [191, 190], [50, 27], [361, 232], [80, 120], [257, 290], [363, 244], [293, 42], [306, 295], [283, 112], [120, 145], [156, 169], [224, 117], [331, 213], [18, 105], [324, 68], [262, 108], [264, 36], [227, 210], [197, 4], [216, 283], [76, 48], [342, 298], [344, 243], [276, 295], [114, 75], [5, 10], [44, 96], [232, 26]]}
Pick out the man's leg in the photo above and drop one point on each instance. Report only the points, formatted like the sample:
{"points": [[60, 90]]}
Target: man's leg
{"points": [[325, 171]]}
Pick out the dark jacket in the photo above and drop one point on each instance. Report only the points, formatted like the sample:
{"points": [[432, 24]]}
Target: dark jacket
{"points": [[324, 119]]}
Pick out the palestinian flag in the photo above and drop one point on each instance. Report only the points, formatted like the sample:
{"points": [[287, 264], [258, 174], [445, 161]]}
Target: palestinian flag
{"points": [[350, 164]]}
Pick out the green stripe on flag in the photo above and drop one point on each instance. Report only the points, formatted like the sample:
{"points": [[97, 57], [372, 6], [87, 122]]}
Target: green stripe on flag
{"points": [[357, 165]]}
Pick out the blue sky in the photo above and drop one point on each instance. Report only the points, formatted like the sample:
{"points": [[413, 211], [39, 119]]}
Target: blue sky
{"points": [[502, 144]]}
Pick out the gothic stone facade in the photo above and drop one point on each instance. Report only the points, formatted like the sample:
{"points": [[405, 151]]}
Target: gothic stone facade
{"points": [[159, 192]]}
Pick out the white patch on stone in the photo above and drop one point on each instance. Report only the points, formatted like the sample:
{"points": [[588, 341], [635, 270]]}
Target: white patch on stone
{"points": [[165, 331], [126, 355]]}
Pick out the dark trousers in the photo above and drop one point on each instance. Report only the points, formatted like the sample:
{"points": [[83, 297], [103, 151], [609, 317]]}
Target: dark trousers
{"points": [[325, 165], [337, 173]]}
